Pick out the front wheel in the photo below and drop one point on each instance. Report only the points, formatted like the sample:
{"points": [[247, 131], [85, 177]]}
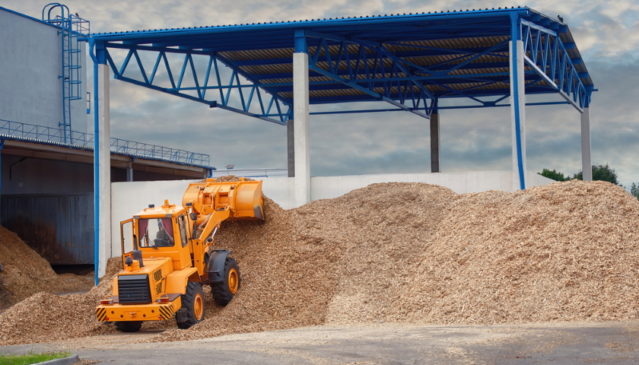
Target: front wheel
{"points": [[192, 310], [128, 326], [223, 291]]}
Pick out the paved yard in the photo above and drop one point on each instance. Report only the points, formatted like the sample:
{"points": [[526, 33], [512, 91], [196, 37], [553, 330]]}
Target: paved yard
{"points": [[563, 343]]}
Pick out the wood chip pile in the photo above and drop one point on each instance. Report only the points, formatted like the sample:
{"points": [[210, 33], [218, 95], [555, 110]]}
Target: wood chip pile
{"points": [[45, 317], [423, 254], [25, 272]]}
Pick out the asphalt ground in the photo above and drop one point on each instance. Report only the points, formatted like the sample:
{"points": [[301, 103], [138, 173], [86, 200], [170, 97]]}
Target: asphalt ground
{"points": [[542, 343]]}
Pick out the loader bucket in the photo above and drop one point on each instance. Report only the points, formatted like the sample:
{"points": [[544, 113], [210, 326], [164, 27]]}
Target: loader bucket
{"points": [[243, 198]]}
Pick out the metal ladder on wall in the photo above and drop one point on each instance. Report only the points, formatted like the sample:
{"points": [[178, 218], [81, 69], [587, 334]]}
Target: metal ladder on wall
{"points": [[71, 28]]}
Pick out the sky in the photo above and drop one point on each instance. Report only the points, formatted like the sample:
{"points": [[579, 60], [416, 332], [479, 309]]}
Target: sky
{"points": [[606, 33]]}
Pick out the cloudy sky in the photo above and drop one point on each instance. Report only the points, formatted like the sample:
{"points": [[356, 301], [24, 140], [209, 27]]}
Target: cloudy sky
{"points": [[606, 32]]}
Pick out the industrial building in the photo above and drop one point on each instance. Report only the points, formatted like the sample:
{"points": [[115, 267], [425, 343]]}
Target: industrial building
{"points": [[47, 140]]}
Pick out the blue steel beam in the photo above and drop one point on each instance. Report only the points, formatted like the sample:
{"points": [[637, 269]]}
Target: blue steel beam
{"points": [[449, 107], [98, 56], [234, 96], [517, 99]]}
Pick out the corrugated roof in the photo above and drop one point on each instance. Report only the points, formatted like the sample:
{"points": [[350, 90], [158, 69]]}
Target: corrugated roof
{"points": [[262, 52], [296, 23]]}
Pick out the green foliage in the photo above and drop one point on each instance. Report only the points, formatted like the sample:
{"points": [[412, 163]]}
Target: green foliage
{"points": [[602, 173], [634, 190], [30, 358], [599, 172], [554, 175]]}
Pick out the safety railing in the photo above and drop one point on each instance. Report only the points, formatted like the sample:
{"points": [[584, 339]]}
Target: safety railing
{"points": [[40, 133], [254, 173]]}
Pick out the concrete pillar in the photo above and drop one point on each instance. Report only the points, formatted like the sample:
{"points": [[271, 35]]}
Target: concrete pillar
{"points": [[586, 163], [518, 110], [301, 115], [434, 141], [290, 147], [104, 171], [129, 171]]}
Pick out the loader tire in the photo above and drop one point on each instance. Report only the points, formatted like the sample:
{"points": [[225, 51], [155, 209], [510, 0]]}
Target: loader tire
{"points": [[225, 290], [192, 310], [128, 326]]}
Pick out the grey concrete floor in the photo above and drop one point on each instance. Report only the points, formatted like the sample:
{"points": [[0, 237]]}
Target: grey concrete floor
{"points": [[545, 343]]}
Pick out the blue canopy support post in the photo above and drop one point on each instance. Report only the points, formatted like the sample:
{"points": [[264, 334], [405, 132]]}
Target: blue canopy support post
{"points": [[586, 164], [96, 165], [300, 116], [434, 138], [1, 174], [101, 160], [518, 104]]}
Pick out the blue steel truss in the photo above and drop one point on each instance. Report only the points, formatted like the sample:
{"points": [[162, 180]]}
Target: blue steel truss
{"points": [[372, 69], [210, 87], [546, 54], [380, 58]]}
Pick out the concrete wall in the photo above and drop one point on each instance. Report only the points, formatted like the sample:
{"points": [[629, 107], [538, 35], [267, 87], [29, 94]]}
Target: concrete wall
{"points": [[30, 90], [130, 197]]}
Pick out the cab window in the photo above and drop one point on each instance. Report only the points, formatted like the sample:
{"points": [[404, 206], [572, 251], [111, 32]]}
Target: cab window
{"points": [[156, 232]]}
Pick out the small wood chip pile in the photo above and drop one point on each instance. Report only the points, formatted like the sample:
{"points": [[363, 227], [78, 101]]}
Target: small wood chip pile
{"points": [[45, 317], [407, 252], [25, 272]]}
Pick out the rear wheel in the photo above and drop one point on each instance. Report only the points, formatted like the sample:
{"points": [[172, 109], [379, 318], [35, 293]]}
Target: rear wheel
{"points": [[128, 326], [226, 289], [192, 310]]}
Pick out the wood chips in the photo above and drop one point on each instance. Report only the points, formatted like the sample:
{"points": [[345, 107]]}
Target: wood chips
{"points": [[402, 252], [25, 272]]}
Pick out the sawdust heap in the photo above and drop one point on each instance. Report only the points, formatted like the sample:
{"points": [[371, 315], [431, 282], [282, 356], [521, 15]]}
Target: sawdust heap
{"points": [[25, 272], [421, 253]]}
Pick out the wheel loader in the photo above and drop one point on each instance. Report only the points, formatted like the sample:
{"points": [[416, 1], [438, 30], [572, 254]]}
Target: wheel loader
{"points": [[173, 256]]}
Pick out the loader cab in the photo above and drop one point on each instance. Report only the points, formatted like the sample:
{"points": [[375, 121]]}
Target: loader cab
{"points": [[158, 232]]}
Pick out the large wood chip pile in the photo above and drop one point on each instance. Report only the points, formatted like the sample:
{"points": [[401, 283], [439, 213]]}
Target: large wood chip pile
{"points": [[423, 254]]}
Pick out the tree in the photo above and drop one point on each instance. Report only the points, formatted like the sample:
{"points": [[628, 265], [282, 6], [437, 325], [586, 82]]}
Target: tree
{"points": [[634, 190], [554, 175], [602, 173]]}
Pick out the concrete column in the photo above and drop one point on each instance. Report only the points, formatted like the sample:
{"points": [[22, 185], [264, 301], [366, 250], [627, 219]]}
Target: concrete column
{"points": [[129, 171], [290, 147], [518, 113], [104, 148], [434, 141], [586, 163], [301, 116]]}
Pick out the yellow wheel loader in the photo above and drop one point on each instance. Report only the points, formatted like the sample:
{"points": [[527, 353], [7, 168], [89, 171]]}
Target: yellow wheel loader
{"points": [[173, 255]]}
